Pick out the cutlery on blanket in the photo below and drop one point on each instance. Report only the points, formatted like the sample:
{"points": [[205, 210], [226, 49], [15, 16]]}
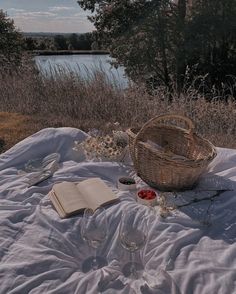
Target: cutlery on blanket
{"points": [[39, 178], [43, 168], [41, 164]]}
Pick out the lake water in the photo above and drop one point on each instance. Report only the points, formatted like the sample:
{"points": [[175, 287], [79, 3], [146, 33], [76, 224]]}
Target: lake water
{"points": [[83, 64]]}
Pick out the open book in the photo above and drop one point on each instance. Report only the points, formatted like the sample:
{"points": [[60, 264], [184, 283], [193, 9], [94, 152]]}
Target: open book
{"points": [[69, 198]]}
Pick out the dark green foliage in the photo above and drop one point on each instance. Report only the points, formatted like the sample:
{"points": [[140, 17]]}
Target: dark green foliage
{"points": [[169, 42], [30, 44], [60, 42], [73, 41], [141, 35], [211, 40], [85, 41], [80, 42], [11, 43]]}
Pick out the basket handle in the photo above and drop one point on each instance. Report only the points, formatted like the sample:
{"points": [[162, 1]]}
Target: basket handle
{"points": [[170, 116], [165, 117]]}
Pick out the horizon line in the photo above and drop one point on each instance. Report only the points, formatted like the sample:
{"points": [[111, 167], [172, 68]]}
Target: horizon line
{"points": [[38, 32]]}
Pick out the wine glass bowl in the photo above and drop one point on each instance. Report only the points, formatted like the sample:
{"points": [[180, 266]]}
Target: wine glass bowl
{"points": [[94, 231], [133, 236], [132, 240]]}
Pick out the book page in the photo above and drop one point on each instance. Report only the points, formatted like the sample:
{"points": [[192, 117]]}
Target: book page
{"points": [[57, 204], [69, 197], [96, 192]]}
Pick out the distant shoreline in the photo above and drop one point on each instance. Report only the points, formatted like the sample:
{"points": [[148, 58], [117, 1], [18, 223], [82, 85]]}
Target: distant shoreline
{"points": [[68, 52]]}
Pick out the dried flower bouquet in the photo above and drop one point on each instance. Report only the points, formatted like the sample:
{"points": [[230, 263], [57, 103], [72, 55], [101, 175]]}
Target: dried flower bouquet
{"points": [[112, 147]]}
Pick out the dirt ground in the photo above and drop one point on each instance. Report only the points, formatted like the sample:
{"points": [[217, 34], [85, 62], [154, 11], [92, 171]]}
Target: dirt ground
{"points": [[15, 127]]}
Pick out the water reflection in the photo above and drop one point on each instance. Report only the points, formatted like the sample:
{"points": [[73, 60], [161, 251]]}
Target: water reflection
{"points": [[84, 65]]}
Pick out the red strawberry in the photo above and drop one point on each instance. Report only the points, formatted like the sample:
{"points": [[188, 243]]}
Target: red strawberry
{"points": [[147, 194]]}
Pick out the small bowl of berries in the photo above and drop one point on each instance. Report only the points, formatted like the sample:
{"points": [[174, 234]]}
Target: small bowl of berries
{"points": [[147, 197]]}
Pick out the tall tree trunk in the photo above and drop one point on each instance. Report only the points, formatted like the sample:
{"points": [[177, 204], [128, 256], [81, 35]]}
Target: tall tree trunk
{"points": [[163, 53], [180, 48]]}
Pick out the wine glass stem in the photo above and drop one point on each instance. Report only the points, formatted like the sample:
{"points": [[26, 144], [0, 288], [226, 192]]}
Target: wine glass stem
{"points": [[94, 262], [133, 271]]}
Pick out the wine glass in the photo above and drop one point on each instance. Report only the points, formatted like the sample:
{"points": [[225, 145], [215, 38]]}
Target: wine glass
{"points": [[133, 236], [94, 231]]}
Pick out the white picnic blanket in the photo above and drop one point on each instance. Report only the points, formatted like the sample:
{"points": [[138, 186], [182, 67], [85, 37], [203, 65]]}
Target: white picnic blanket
{"points": [[41, 253]]}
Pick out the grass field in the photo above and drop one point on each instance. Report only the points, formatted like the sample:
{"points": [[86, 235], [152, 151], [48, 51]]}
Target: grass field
{"points": [[30, 102]]}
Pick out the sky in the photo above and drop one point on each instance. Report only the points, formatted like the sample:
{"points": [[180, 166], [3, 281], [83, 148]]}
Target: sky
{"points": [[59, 16]]}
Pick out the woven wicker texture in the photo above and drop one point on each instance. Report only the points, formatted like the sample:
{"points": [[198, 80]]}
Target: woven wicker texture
{"points": [[181, 157]]}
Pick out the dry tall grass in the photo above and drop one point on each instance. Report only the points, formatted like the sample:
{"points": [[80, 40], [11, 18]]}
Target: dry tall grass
{"points": [[65, 99]]}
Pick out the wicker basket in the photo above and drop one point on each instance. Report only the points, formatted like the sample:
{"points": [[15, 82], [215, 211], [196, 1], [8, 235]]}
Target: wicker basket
{"points": [[182, 157]]}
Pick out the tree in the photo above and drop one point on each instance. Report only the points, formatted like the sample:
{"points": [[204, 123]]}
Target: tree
{"points": [[211, 40], [42, 45], [85, 41], [74, 41], [11, 42], [96, 43], [140, 35], [30, 44], [60, 42], [157, 40]]}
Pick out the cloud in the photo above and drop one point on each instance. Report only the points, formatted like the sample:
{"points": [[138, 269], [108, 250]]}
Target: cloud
{"points": [[81, 14], [53, 25], [60, 8], [54, 19], [15, 10], [74, 17], [34, 14]]}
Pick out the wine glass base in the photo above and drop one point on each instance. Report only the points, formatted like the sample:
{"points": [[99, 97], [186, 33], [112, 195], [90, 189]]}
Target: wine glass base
{"points": [[133, 270], [88, 264]]}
